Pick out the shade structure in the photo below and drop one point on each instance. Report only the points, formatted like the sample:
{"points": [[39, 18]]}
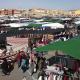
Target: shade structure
{"points": [[53, 25], [17, 24], [77, 22], [34, 25], [69, 47]]}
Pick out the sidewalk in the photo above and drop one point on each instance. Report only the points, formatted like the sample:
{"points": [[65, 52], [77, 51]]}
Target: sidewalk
{"points": [[17, 43]]}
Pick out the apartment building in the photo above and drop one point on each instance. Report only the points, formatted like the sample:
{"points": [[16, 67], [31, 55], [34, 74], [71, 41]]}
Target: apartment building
{"points": [[10, 12], [39, 12], [75, 13]]}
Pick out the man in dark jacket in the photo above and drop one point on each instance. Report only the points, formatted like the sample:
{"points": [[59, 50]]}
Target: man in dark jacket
{"points": [[4, 66]]}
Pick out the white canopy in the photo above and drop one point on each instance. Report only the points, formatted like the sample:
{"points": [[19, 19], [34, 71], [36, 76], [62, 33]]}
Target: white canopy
{"points": [[53, 25], [65, 19], [77, 22], [17, 24]]}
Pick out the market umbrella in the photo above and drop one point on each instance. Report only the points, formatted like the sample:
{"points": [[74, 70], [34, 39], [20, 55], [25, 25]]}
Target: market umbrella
{"points": [[70, 47]]}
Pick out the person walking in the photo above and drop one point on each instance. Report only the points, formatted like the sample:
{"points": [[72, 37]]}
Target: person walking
{"points": [[32, 67], [4, 66], [18, 58], [23, 62]]}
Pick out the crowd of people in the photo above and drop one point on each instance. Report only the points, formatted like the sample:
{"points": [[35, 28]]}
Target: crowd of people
{"points": [[36, 62], [7, 66], [33, 61]]}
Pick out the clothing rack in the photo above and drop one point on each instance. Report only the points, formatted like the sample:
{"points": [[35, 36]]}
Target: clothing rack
{"points": [[69, 76]]}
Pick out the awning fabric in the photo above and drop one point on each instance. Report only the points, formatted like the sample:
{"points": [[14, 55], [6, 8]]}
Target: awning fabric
{"points": [[53, 25], [70, 47], [77, 22]]}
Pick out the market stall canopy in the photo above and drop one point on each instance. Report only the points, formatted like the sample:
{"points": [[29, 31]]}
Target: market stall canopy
{"points": [[64, 19], [34, 25], [69, 47], [53, 25], [77, 22], [16, 24]]}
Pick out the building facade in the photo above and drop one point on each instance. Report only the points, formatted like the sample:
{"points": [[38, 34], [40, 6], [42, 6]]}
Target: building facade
{"points": [[39, 12]]}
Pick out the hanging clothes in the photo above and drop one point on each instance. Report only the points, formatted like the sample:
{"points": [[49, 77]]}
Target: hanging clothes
{"points": [[75, 65], [24, 78], [45, 78], [54, 77], [65, 77], [70, 78], [50, 76], [59, 77], [75, 76], [40, 78]]}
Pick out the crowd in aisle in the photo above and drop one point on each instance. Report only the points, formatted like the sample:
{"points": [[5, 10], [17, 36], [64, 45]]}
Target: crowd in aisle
{"points": [[58, 68]]}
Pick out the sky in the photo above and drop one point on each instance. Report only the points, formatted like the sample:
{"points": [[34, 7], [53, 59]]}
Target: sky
{"points": [[47, 4]]}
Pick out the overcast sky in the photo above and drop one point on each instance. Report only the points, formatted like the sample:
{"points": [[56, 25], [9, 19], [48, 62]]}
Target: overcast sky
{"points": [[48, 4]]}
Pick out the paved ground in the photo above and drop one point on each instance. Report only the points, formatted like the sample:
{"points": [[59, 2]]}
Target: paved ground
{"points": [[17, 43], [17, 74]]}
